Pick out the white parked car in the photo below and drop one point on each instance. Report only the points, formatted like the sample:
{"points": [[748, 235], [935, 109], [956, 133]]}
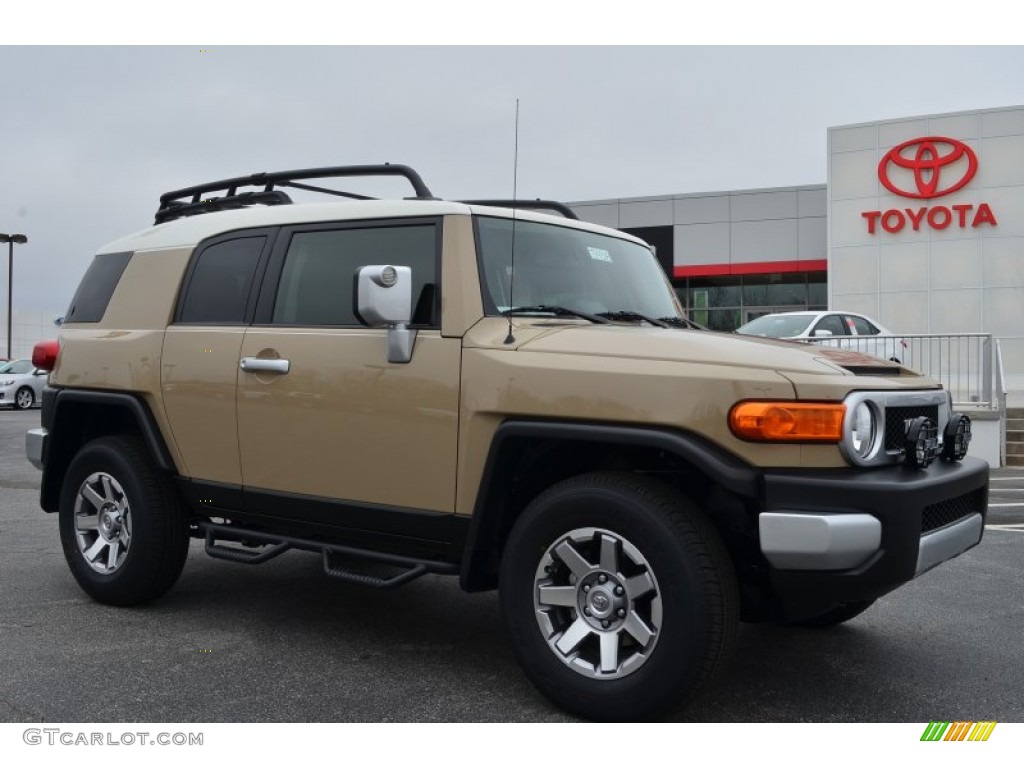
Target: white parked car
{"points": [[21, 384], [837, 329]]}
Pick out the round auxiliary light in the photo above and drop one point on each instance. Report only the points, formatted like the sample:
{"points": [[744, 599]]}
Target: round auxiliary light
{"points": [[922, 442], [956, 437], [863, 428], [388, 276]]}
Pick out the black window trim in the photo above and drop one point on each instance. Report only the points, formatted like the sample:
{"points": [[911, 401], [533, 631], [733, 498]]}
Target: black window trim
{"points": [[264, 308], [270, 233]]}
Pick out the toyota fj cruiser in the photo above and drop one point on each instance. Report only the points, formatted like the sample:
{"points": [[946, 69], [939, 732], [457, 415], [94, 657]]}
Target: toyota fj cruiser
{"points": [[485, 390]]}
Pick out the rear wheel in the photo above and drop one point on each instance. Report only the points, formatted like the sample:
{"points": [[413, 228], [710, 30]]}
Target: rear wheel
{"points": [[122, 527], [618, 595]]}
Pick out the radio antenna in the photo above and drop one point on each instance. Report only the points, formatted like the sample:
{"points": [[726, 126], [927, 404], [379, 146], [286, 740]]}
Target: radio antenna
{"points": [[510, 339]]}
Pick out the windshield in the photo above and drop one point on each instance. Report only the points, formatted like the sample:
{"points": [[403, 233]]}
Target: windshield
{"points": [[570, 268], [777, 326], [17, 366]]}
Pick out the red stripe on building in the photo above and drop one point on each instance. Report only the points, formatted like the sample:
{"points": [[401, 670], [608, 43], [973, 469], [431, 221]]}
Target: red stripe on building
{"points": [[750, 268]]}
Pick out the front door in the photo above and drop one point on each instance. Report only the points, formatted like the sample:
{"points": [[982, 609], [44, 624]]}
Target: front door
{"points": [[324, 421]]}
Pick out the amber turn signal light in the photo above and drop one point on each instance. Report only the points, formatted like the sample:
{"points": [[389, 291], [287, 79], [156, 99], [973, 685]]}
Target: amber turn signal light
{"points": [[784, 422]]}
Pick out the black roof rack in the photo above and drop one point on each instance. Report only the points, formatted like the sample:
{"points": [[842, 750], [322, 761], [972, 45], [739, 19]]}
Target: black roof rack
{"points": [[194, 200], [538, 204]]}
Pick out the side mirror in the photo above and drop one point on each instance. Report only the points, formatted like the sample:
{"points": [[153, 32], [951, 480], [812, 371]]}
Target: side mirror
{"points": [[821, 332], [384, 298]]}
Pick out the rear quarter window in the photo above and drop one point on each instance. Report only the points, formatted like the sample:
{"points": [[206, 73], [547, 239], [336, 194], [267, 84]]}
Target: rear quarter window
{"points": [[97, 286]]}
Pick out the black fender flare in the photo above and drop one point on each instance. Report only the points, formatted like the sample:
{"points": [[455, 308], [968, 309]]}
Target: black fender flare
{"points": [[64, 407], [486, 525]]}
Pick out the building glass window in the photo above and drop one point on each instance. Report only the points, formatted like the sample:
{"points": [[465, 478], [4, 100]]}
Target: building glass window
{"points": [[726, 302]]}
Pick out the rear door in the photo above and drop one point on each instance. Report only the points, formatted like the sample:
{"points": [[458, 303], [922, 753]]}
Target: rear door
{"points": [[201, 348]]}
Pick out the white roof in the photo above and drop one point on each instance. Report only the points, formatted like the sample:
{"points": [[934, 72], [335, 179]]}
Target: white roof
{"points": [[190, 230]]}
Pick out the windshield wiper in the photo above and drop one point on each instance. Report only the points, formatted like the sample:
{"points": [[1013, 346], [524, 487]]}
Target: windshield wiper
{"points": [[626, 314], [682, 322], [555, 310]]}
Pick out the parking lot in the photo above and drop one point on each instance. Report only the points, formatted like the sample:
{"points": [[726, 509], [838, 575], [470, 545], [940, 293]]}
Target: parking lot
{"points": [[281, 642]]}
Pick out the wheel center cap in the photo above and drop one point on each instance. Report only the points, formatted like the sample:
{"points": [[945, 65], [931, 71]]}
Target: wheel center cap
{"points": [[110, 523], [600, 602]]}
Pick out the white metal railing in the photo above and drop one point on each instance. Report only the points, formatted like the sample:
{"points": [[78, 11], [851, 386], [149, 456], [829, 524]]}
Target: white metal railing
{"points": [[969, 365], [1001, 394]]}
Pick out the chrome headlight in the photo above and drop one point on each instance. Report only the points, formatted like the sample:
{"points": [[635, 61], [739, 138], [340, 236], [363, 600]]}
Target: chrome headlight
{"points": [[863, 430], [6, 382]]}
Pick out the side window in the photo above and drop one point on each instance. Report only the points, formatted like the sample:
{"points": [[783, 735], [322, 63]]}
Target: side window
{"points": [[21, 366], [218, 289], [96, 288], [316, 286], [831, 323], [862, 326]]}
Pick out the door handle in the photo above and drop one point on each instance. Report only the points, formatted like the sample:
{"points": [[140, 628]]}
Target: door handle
{"points": [[264, 365]]}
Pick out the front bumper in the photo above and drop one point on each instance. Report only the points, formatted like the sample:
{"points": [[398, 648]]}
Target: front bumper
{"points": [[836, 536]]}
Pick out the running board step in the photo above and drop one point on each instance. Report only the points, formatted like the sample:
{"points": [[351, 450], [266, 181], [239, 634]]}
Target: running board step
{"points": [[348, 571], [358, 566]]}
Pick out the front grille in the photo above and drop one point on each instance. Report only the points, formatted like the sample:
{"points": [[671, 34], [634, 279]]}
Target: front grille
{"points": [[944, 513], [896, 418]]}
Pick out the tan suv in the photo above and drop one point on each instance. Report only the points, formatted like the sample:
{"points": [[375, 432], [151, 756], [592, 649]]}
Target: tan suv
{"points": [[508, 396]]}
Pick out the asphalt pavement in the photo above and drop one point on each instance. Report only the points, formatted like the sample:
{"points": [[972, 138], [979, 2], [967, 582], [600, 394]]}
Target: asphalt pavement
{"points": [[282, 643]]}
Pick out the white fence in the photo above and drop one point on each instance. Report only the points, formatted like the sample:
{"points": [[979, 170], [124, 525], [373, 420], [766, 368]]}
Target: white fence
{"points": [[967, 364]]}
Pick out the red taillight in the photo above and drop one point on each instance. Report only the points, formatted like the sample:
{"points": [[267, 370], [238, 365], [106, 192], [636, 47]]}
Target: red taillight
{"points": [[44, 354]]}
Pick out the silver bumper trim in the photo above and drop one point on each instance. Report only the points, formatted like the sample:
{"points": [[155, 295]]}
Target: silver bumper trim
{"points": [[35, 439], [818, 542], [945, 543]]}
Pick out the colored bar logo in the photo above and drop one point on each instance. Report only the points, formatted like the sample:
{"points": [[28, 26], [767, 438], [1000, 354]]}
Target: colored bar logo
{"points": [[958, 731]]}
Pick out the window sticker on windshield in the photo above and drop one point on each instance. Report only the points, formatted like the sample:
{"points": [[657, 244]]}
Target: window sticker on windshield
{"points": [[599, 254]]}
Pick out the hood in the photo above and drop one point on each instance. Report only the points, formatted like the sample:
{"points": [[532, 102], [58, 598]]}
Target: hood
{"points": [[630, 341]]}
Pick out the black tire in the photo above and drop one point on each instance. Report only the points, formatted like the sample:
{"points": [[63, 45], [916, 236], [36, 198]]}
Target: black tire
{"points": [[113, 485], [692, 588], [841, 613], [24, 398]]}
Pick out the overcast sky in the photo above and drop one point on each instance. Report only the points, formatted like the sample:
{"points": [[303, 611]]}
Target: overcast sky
{"points": [[90, 137]]}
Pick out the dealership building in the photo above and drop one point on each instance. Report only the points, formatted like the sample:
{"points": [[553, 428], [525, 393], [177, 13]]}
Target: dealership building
{"points": [[920, 225]]}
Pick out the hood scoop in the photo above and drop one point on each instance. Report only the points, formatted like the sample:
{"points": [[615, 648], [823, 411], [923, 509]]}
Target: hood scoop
{"points": [[874, 370]]}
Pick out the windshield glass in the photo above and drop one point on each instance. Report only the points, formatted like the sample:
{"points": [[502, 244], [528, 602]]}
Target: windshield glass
{"points": [[777, 326], [17, 366], [571, 268]]}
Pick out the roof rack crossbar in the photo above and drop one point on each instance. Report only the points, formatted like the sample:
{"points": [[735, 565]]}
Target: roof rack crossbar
{"points": [[172, 206], [538, 204], [325, 190]]}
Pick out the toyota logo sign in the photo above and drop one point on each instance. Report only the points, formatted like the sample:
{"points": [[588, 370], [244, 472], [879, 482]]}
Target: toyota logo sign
{"points": [[922, 169], [928, 167]]}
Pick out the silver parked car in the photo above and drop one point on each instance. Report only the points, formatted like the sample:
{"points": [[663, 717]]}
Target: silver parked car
{"points": [[837, 329], [21, 384]]}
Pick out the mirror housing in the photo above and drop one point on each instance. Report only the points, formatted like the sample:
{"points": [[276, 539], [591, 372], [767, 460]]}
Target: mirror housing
{"points": [[822, 332], [384, 298]]}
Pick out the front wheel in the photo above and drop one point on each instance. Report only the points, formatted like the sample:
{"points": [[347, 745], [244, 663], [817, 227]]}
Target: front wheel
{"points": [[122, 526], [618, 595]]}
